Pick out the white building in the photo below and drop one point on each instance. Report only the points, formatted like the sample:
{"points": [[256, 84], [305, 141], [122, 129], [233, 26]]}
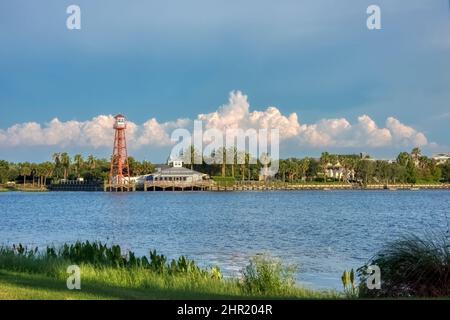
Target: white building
{"points": [[338, 172], [172, 173], [441, 158]]}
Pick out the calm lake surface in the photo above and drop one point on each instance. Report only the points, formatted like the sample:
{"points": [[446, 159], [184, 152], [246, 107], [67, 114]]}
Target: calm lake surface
{"points": [[323, 232]]}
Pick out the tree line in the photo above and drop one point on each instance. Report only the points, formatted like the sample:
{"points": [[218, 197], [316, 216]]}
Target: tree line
{"points": [[65, 167], [413, 167], [410, 167]]}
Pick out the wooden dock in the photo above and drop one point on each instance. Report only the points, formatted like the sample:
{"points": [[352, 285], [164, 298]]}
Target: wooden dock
{"points": [[177, 186], [238, 186], [123, 187]]}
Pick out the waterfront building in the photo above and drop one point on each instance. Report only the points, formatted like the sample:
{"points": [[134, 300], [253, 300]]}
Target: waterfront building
{"points": [[173, 174]]}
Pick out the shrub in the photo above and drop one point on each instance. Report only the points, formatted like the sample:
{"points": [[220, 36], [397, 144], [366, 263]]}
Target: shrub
{"points": [[266, 275], [98, 254], [157, 262], [224, 181], [411, 267]]}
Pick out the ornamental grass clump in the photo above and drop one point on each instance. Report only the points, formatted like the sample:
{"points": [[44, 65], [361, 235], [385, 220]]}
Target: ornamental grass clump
{"points": [[411, 267]]}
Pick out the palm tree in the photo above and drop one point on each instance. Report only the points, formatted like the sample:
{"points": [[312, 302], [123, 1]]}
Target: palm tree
{"points": [[33, 167], [48, 169], [25, 170], [241, 159], [57, 160], [79, 162], [222, 154], [293, 168], [324, 161], [249, 169], [91, 162], [403, 159], [303, 167], [416, 153], [349, 164], [40, 171], [65, 163], [233, 153], [191, 156], [264, 160]]}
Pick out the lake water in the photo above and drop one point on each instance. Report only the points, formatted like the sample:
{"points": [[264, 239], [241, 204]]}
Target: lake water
{"points": [[323, 232]]}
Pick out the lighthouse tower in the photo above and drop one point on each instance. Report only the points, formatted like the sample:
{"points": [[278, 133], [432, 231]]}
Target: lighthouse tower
{"points": [[119, 176]]}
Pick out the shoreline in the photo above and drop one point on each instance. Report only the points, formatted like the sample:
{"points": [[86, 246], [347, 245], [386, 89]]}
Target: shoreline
{"points": [[248, 187]]}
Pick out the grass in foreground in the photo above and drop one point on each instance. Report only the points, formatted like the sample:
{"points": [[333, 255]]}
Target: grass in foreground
{"points": [[107, 273]]}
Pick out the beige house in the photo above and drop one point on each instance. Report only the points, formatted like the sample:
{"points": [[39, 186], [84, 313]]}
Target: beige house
{"points": [[338, 172], [441, 158]]}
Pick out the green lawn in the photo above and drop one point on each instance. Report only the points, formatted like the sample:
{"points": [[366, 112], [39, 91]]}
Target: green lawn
{"points": [[20, 286], [15, 285], [106, 274], [122, 284]]}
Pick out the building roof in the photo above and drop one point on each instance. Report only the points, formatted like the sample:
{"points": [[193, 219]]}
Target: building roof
{"points": [[441, 155], [171, 171]]}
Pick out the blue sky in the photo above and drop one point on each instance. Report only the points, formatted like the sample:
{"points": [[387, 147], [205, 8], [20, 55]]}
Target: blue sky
{"points": [[177, 59]]}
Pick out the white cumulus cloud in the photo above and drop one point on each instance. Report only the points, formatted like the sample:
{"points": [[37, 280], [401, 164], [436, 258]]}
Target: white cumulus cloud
{"points": [[236, 114]]}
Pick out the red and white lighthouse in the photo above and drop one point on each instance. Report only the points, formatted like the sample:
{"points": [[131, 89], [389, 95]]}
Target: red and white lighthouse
{"points": [[120, 170]]}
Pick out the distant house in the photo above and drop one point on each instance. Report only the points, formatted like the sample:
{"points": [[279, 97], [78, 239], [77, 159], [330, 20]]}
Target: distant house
{"points": [[334, 171], [338, 172], [441, 158]]}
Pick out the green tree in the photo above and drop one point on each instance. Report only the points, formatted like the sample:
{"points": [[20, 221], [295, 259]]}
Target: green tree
{"points": [[25, 171], [365, 170], [242, 159], [65, 163], [232, 159], [325, 160], [91, 162], [382, 171], [403, 159], [147, 167], [57, 160], [416, 153], [303, 167], [13, 172], [40, 172], [445, 170], [48, 170], [222, 155], [134, 166], [282, 170], [192, 156], [78, 164], [4, 171]]}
